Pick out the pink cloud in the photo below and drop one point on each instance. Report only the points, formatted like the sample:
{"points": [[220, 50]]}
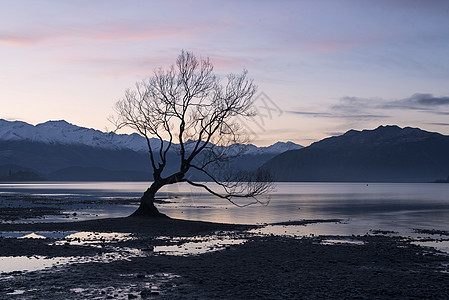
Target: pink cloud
{"points": [[130, 33], [18, 40], [143, 66], [105, 32]]}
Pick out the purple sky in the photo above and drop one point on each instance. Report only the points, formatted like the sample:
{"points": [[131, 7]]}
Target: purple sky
{"points": [[324, 67]]}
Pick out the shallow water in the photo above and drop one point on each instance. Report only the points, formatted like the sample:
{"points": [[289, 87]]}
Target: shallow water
{"points": [[177, 246], [30, 263], [36, 262], [441, 245], [196, 248], [85, 238], [89, 239], [342, 242], [363, 206]]}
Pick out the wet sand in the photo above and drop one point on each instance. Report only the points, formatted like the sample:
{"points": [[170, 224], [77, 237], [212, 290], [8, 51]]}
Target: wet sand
{"points": [[263, 267]]}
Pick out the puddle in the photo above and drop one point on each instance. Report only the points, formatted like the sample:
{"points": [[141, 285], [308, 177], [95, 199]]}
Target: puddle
{"points": [[29, 263], [16, 292], [36, 235], [197, 245], [79, 238], [421, 237], [342, 242], [196, 248], [36, 263], [441, 245], [346, 228], [180, 246], [32, 236], [314, 229], [92, 239], [86, 238]]}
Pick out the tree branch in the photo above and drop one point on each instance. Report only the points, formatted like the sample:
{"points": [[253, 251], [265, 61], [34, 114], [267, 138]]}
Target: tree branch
{"points": [[188, 102]]}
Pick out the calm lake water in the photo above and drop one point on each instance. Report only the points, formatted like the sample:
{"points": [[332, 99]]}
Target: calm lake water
{"points": [[385, 206], [398, 208]]}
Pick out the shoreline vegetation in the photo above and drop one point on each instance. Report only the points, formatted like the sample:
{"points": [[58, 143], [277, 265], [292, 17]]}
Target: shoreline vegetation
{"points": [[371, 266]]}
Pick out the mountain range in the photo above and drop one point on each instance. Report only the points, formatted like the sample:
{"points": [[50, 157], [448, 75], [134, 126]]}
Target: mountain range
{"points": [[64, 133], [58, 150], [385, 154]]}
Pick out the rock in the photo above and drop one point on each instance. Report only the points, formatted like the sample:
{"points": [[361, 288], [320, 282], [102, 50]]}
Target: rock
{"points": [[145, 293], [148, 249]]}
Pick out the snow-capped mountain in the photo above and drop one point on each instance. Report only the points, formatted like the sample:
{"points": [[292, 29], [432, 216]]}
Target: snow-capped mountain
{"points": [[276, 148], [62, 132]]}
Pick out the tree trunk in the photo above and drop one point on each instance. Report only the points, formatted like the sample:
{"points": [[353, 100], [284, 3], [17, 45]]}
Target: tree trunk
{"points": [[147, 207]]}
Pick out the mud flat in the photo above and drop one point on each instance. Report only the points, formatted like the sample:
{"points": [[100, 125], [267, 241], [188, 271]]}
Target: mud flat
{"points": [[258, 266], [140, 258]]}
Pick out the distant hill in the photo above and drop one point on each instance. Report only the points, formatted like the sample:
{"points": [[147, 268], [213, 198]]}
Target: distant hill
{"points": [[12, 172], [97, 174], [57, 150], [385, 154]]}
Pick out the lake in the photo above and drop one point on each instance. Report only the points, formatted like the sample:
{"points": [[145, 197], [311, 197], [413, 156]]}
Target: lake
{"points": [[377, 206]]}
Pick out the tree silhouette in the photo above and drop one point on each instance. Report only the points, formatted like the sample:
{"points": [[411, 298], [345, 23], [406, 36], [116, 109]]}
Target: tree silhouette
{"points": [[191, 111]]}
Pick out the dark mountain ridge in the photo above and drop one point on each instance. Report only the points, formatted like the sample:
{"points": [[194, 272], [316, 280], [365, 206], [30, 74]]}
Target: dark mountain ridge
{"points": [[385, 154], [58, 150], [66, 162]]}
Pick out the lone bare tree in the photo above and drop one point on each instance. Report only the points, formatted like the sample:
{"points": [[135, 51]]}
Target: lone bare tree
{"points": [[192, 112]]}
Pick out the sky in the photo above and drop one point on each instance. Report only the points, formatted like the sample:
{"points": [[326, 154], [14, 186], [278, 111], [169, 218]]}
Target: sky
{"points": [[321, 67]]}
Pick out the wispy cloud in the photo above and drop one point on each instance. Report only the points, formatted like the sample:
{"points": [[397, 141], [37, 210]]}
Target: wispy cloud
{"points": [[335, 133], [96, 33], [338, 115], [354, 104], [419, 101], [353, 111], [112, 66], [311, 114], [130, 34], [12, 39], [443, 113], [438, 124]]}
